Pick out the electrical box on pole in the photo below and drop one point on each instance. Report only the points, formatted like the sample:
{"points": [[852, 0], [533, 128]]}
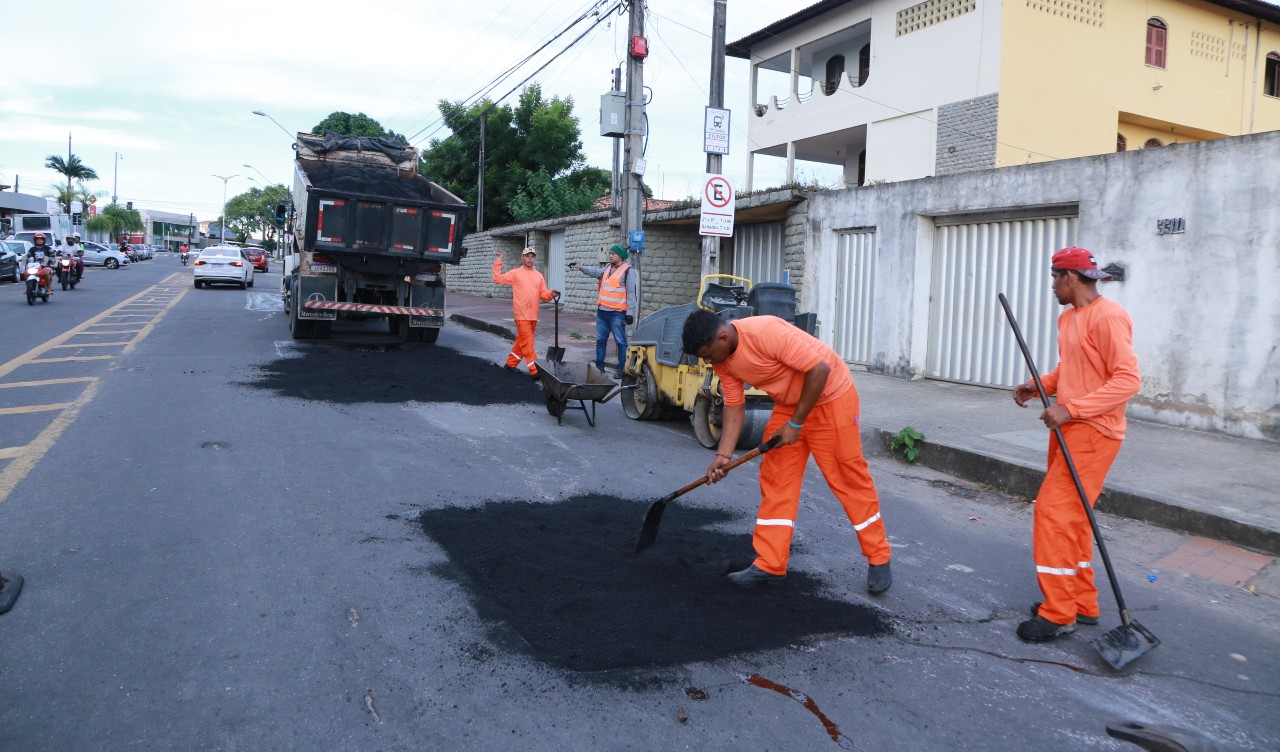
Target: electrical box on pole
{"points": [[613, 114]]}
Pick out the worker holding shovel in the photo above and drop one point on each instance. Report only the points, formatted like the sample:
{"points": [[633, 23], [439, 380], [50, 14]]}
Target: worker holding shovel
{"points": [[815, 411], [528, 290], [1096, 376]]}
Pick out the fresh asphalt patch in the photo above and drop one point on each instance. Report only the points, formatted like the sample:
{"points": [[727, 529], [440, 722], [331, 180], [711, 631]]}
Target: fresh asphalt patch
{"points": [[391, 374], [562, 579]]}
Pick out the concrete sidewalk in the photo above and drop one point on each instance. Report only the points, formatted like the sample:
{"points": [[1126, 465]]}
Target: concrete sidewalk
{"points": [[1196, 482]]}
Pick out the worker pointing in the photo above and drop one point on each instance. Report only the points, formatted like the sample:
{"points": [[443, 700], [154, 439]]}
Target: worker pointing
{"points": [[528, 290], [815, 411]]}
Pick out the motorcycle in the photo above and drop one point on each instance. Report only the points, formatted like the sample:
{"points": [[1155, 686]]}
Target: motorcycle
{"points": [[67, 273], [184, 258], [38, 282]]}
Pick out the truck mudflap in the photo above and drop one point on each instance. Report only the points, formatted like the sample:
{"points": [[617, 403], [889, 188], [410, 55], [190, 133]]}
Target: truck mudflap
{"points": [[313, 291], [418, 317]]}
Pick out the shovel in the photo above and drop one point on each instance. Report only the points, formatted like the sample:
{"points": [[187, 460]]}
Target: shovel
{"points": [[1129, 641], [555, 353], [652, 517]]}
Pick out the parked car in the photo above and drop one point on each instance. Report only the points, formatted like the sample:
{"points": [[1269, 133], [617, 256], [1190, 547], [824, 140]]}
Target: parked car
{"points": [[11, 257], [257, 257], [96, 254], [223, 263]]}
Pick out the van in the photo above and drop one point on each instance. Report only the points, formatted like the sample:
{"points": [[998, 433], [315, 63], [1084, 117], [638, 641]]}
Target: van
{"points": [[51, 239]]}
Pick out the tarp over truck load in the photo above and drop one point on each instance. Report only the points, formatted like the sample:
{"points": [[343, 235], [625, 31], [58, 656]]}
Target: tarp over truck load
{"points": [[364, 196]]}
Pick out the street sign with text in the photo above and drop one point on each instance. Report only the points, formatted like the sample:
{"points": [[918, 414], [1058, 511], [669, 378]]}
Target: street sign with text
{"points": [[716, 131], [718, 201]]}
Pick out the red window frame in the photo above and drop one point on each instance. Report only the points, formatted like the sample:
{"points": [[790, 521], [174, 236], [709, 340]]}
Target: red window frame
{"points": [[1157, 36]]}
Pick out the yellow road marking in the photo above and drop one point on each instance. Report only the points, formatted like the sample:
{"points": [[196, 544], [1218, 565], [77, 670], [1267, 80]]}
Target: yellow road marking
{"points": [[72, 358], [34, 408], [48, 382], [25, 461], [91, 344]]}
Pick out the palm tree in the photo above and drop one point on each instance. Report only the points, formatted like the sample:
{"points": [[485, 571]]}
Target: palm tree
{"points": [[73, 168]]}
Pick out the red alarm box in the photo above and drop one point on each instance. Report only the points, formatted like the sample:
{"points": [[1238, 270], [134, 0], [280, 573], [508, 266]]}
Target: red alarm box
{"points": [[639, 48]]}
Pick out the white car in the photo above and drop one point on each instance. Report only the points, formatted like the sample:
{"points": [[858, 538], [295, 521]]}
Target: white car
{"points": [[223, 263], [96, 254]]}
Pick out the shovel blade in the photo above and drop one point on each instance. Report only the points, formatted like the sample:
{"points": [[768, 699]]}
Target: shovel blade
{"points": [[1125, 644], [649, 530], [555, 354]]}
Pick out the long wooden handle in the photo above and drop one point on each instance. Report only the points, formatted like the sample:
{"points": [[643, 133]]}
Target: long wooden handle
{"points": [[770, 444]]}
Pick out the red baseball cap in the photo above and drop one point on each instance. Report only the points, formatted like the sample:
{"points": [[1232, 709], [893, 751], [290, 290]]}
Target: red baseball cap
{"points": [[1079, 260]]}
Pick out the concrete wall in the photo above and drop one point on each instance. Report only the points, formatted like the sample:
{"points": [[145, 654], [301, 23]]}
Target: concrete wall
{"points": [[1204, 303]]}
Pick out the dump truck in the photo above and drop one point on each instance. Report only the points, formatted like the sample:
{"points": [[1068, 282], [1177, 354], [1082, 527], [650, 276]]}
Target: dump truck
{"points": [[371, 238], [661, 381]]}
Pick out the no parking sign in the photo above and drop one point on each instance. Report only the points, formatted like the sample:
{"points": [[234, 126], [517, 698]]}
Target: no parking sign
{"points": [[718, 199]]}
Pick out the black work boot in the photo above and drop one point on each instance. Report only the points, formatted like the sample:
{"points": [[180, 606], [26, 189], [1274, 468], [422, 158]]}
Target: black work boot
{"points": [[1040, 629], [1088, 621], [879, 578], [754, 575]]}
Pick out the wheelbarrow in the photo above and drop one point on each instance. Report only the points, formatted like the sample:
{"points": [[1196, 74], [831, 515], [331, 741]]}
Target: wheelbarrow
{"points": [[570, 386]]}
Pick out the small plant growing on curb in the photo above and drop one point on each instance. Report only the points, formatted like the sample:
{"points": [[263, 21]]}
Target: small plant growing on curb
{"points": [[907, 441], [576, 335]]}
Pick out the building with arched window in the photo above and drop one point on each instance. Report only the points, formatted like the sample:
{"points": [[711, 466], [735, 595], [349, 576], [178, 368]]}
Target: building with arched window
{"points": [[945, 86]]}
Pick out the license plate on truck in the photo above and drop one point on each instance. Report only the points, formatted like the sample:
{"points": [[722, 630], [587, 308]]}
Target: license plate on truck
{"points": [[431, 322]]}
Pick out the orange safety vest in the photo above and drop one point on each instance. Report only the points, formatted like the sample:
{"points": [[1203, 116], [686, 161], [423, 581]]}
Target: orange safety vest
{"points": [[613, 289]]}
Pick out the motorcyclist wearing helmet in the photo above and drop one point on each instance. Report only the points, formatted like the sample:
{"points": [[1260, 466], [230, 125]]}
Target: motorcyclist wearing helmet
{"points": [[78, 257], [43, 255]]}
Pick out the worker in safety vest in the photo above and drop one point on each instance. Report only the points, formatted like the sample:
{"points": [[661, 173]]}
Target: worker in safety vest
{"points": [[528, 290], [616, 305], [815, 411], [1096, 376]]}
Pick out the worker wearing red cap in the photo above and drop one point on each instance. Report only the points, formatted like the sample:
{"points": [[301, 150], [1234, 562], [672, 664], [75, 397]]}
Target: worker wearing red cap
{"points": [[815, 411], [528, 290], [1097, 374]]}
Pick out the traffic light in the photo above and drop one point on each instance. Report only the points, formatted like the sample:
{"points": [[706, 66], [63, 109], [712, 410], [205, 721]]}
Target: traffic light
{"points": [[281, 211], [129, 205], [75, 218]]}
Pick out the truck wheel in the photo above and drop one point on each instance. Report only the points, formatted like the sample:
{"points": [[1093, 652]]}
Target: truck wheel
{"points": [[322, 329], [300, 328], [393, 325], [430, 335]]}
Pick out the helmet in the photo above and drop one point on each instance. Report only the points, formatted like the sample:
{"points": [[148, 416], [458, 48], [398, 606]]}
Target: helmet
{"points": [[38, 236]]}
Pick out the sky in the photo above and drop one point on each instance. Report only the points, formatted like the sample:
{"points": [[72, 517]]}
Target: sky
{"points": [[173, 95]]}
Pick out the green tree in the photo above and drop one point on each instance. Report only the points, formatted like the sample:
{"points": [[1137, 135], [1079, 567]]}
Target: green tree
{"points": [[114, 220], [254, 211], [535, 134], [359, 124], [73, 169], [543, 196]]}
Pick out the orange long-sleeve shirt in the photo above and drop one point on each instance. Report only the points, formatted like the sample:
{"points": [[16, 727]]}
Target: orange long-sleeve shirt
{"points": [[528, 287], [773, 356], [1097, 369]]}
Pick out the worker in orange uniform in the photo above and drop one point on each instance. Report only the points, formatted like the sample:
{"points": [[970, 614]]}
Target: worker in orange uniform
{"points": [[528, 289], [1097, 374], [616, 306], [815, 411]]}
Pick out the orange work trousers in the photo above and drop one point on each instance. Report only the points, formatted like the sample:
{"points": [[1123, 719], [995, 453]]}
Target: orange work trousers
{"points": [[831, 435], [1062, 541], [524, 347]]}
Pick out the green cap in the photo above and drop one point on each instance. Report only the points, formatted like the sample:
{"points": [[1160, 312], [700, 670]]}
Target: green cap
{"points": [[621, 250]]}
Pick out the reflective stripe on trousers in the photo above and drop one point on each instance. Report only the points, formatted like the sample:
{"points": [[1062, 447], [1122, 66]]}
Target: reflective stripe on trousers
{"points": [[524, 348], [831, 435], [1062, 541]]}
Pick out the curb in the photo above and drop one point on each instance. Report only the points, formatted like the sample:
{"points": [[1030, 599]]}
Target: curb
{"points": [[484, 326], [1020, 480]]}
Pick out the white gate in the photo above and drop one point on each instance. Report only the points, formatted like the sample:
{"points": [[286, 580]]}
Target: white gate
{"points": [[855, 272], [969, 338], [757, 252], [555, 260]]}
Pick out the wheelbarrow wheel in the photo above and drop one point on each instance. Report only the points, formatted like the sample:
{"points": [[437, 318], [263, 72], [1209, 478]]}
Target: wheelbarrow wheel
{"points": [[554, 406]]}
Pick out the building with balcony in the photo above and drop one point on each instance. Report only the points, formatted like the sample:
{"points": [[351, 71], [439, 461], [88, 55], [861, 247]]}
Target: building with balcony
{"points": [[891, 90]]}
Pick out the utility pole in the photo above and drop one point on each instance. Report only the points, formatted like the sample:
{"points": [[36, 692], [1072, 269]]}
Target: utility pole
{"points": [[615, 199], [633, 195], [480, 180], [711, 243]]}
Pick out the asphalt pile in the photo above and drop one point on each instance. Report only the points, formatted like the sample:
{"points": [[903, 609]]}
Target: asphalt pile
{"points": [[392, 374], [563, 578]]}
